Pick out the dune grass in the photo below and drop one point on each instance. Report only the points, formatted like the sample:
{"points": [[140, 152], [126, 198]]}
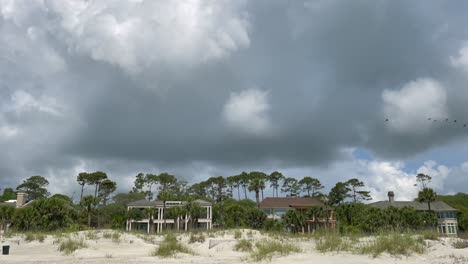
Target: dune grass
{"points": [[265, 250], [30, 236], [116, 237], [170, 247], [196, 237], [333, 242], [243, 245], [70, 245], [460, 243], [393, 244]]}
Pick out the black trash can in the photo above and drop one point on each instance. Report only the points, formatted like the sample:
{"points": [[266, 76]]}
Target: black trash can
{"points": [[5, 250]]}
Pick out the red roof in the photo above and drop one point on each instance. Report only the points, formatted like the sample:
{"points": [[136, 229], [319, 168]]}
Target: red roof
{"points": [[287, 202]]}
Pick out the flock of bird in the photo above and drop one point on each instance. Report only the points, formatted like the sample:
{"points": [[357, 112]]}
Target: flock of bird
{"points": [[446, 120]]}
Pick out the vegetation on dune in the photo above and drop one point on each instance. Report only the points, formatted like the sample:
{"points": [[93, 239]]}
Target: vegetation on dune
{"points": [[196, 237], [243, 245], [393, 244], [266, 250], [70, 245], [170, 247]]}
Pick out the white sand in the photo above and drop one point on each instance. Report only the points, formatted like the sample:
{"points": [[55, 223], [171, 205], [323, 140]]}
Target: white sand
{"points": [[134, 249]]}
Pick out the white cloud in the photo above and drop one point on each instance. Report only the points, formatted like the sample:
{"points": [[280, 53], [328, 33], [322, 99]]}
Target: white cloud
{"points": [[409, 108], [138, 34], [461, 61], [247, 111], [22, 101], [438, 173]]}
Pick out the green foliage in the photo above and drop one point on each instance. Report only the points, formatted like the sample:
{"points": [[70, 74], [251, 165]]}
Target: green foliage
{"points": [[339, 193], [291, 186], [394, 244], [45, 214], [29, 237], [92, 235], [237, 234], [295, 220], [8, 194], [170, 247], [196, 237], [255, 218], [311, 185], [356, 194], [243, 245], [107, 235], [35, 187], [6, 215], [70, 245], [265, 250], [274, 225]]}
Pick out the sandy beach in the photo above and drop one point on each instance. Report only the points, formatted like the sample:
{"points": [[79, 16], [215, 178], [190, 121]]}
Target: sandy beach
{"points": [[217, 248]]}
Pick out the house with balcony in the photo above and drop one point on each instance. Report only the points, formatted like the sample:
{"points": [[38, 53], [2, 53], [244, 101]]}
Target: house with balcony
{"points": [[157, 216], [276, 207], [446, 215]]}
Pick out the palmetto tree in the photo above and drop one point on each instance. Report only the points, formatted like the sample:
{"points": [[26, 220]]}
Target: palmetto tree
{"points": [[256, 184], [89, 202], [428, 196]]}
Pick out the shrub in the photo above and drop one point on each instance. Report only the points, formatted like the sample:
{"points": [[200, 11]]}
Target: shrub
{"points": [[265, 250], [91, 235], [29, 237], [394, 244], [243, 245], [70, 245], [237, 234], [116, 237], [40, 237], [107, 235], [255, 218], [460, 243], [194, 237], [430, 235], [170, 247]]}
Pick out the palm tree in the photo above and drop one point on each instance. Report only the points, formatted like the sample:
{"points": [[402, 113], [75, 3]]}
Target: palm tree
{"points": [[428, 196], [164, 196], [150, 212], [89, 202], [244, 182], [177, 212], [255, 185]]}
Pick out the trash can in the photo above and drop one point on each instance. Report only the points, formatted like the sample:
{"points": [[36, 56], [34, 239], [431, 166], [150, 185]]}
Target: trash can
{"points": [[5, 250]]}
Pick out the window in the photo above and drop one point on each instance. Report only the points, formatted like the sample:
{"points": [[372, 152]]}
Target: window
{"points": [[451, 229]]}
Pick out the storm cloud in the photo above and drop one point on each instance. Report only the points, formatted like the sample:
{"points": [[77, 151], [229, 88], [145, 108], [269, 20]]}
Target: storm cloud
{"points": [[207, 88]]}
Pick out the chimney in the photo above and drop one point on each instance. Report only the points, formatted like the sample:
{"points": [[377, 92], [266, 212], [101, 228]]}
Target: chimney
{"points": [[391, 196], [20, 199]]}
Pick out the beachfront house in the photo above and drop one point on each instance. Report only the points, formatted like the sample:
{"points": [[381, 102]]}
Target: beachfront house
{"points": [[156, 216], [276, 207], [446, 215]]}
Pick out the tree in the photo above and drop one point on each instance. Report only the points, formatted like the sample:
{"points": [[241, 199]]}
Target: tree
{"points": [[96, 179], [164, 196], [6, 214], [291, 186], [255, 218], [166, 181], [125, 198], [232, 182], [89, 202], [427, 195], [262, 177], [274, 179], [423, 179], [8, 194], [34, 187], [358, 195], [309, 185], [244, 182], [106, 188], [82, 179], [295, 220], [255, 185], [339, 193]]}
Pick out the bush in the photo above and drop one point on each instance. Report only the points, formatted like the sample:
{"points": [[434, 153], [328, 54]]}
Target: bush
{"points": [[237, 234], [170, 247], [430, 235], [194, 237], [394, 244], [116, 237], [70, 245], [243, 245], [40, 237], [91, 235], [460, 243], [29, 237], [255, 218], [265, 250], [107, 235]]}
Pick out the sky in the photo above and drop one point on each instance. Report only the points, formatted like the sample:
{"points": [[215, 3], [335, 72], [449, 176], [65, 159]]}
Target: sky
{"points": [[216, 87]]}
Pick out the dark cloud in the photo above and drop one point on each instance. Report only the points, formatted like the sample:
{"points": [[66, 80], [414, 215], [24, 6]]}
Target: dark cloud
{"points": [[122, 91]]}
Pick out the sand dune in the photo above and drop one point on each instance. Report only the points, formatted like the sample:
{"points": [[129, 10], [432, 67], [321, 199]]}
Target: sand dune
{"points": [[217, 248]]}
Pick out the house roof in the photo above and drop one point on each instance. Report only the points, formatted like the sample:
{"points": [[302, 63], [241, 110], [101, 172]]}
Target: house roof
{"points": [[435, 206], [287, 202], [146, 203]]}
